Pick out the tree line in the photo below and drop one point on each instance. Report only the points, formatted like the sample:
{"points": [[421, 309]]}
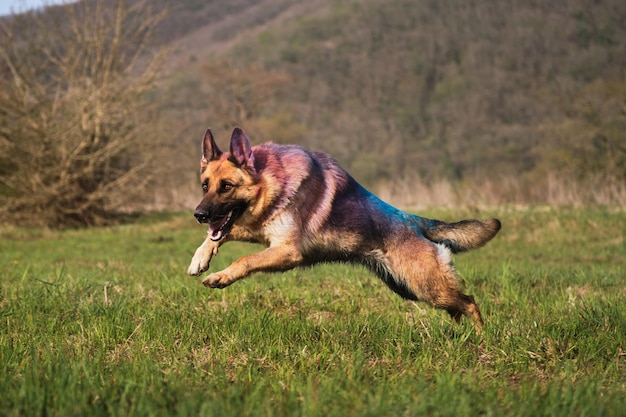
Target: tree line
{"points": [[95, 118]]}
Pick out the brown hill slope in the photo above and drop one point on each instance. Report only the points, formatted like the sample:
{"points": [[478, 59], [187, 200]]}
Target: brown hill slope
{"points": [[441, 89], [481, 91]]}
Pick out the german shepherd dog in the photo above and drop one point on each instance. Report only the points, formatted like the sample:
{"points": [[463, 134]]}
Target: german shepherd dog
{"points": [[306, 209]]}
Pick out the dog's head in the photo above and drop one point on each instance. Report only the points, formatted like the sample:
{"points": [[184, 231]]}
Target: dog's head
{"points": [[229, 182]]}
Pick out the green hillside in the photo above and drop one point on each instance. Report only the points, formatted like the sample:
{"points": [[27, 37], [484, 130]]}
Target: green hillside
{"points": [[440, 89], [428, 102]]}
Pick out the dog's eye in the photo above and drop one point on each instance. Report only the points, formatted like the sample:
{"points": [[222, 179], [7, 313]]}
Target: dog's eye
{"points": [[205, 186], [226, 186]]}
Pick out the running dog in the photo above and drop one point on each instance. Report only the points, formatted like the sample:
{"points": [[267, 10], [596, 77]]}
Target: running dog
{"points": [[306, 210]]}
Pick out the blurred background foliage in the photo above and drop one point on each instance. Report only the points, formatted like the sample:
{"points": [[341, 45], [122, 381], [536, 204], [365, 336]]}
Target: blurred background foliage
{"points": [[423, 101]]}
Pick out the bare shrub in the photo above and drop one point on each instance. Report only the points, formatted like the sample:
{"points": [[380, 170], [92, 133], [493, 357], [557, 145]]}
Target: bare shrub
{"points": [[75, 137]]}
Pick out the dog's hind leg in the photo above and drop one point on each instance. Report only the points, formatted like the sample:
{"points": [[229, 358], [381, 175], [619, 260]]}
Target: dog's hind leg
{"points": [[425, 270], [459, 304]]}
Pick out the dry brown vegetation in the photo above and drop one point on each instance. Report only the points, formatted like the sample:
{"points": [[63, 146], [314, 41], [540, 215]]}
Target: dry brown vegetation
{"points": [[426, 102], [74, 121]]}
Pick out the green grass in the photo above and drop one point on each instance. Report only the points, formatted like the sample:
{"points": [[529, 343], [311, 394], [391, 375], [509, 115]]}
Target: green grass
{"points": [[105, 322]]}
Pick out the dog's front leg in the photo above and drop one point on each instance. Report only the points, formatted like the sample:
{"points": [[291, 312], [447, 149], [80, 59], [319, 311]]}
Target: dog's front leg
{"points": [[205, 252], [272, 259], [202, 258]]}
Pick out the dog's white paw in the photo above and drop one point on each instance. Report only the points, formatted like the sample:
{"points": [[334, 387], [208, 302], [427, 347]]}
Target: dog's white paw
{"points": [[202, 258]]}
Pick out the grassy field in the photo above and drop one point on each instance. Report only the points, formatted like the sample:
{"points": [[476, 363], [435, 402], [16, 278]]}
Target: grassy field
{"points": [[106, 322]]}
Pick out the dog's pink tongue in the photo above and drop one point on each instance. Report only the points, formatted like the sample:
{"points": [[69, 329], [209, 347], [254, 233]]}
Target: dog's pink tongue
{"points": [[215, 234]]}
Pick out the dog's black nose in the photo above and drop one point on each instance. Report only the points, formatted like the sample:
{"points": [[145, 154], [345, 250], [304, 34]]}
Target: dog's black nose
{"points": [[202, 216]]}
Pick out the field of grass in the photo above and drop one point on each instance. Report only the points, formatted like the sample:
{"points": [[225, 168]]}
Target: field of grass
{"points": [[106, 322]]}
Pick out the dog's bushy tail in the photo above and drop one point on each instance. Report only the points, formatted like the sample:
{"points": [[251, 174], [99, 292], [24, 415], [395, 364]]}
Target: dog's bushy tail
{"points": [[462, 236]]}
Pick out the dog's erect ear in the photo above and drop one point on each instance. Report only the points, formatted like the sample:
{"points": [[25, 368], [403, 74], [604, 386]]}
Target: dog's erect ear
{"points": [[240, 150], [210, 151]]}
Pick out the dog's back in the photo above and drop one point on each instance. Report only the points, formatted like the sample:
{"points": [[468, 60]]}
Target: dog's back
{"points": [[332, 203]]}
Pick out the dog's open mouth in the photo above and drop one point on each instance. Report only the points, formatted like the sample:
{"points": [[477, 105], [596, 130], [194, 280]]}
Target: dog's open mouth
{"points": [[219, 227]]}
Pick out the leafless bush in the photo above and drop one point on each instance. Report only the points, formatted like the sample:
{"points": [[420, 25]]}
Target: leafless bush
{"points": [[75, 142]]}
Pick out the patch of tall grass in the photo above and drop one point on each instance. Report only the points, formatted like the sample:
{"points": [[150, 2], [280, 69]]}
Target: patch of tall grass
{"points": [[105, 322]]}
